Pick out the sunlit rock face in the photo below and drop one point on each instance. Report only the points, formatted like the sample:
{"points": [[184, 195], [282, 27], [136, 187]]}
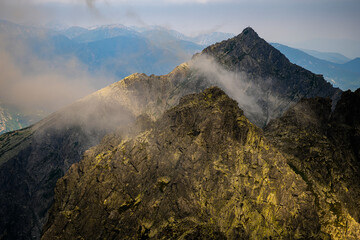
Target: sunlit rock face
{"points": [[202, 171], [262, 81], [323, 148]]}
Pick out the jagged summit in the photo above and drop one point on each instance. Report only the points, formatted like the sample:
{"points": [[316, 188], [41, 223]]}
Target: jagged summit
{"points": [[250, 53], [32, 160], [203, 171], [268, 75], [249, 32], [323, 148]]}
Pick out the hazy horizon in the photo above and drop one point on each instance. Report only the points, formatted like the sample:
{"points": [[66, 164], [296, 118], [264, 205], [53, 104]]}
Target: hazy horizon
{"points": [[322, 25]]}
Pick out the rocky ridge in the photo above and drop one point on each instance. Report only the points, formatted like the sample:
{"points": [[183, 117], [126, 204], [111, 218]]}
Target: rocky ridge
{"points": [[323, 148], [201, 171], [272, 79], [33, 159], [204, 171]]}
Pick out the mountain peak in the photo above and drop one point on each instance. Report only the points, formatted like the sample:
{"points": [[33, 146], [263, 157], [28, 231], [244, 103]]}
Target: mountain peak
{"points": [[249, 32], [248, 52], [257, 60], [163, 173]]}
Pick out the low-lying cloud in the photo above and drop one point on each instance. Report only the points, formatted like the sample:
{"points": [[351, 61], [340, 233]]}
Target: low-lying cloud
{"points": [[235, 84], [30, 82], [259, 102]]}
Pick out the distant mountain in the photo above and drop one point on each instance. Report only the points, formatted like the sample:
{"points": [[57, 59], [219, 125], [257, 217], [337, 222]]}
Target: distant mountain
{"points": [[12, 118], [337, 74], [349, 47], [118, 49], [211, 38], [172, 42], [159, 36], [124, 55], [113, 51], [73, 32], [328, 56], [10, 121], [97, 33], [353, 65], [204, 39]]}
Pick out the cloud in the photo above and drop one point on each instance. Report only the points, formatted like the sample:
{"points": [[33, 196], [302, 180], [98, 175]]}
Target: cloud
{"points": [[259, 102], [90, 3], [92, 7], [30, 82], [207, 30], [21, 11], [135, 17], [235, 84]]}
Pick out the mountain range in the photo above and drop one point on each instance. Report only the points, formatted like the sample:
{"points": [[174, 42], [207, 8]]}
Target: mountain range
{"points": [[343, 75], [328, 56], [274, 154], [111, 52], [106, 52]]}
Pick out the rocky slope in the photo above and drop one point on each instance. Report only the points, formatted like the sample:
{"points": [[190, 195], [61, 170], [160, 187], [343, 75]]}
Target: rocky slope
{"points": [[269, 76], [31, 160], [323, 148], [202, 171]]}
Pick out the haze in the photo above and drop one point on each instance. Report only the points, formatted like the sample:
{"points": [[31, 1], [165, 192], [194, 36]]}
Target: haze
{"points": [[324, 25]]}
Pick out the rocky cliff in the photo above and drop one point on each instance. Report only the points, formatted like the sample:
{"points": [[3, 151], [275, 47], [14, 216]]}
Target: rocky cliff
{"points": [[33, 159], [202, 171], [268, 75], [323, 148]]}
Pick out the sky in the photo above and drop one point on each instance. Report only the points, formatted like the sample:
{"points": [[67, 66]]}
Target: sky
{"points": [[323, 25]]}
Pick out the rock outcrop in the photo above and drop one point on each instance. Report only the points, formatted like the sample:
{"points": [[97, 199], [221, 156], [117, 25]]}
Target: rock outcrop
{"points": [[33, 159], [269, 76], [323, 148], [202, 171]]}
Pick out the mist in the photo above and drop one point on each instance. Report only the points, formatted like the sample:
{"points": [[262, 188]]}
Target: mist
{"points": [[235, 84], [31, 82], [259, 104]]}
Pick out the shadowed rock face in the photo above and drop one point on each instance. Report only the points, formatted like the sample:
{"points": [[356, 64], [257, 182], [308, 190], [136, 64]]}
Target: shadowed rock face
{"points": [[323, 148], [202, 171], [32, 159], [274, 81], [27, 180]]}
